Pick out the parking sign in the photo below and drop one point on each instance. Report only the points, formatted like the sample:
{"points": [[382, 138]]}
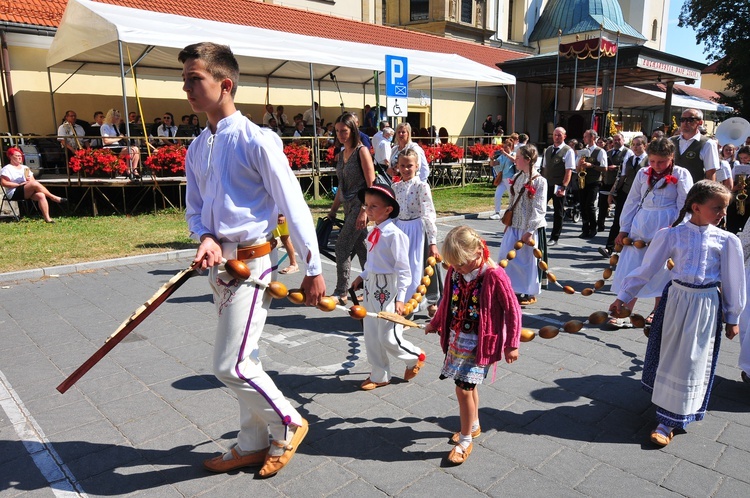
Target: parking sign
{"points": [[396, 84]]}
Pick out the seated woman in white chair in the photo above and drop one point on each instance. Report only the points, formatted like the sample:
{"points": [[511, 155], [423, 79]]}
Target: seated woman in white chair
{"points": [[19, 184]]}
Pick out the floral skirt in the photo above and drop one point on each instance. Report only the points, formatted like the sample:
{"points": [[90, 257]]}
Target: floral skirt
{"points": [[460, 361]]}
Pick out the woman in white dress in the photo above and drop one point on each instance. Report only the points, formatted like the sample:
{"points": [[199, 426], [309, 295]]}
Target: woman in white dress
{"points": [[707, 288], [655, 198], [528, 197], [416, 217]]}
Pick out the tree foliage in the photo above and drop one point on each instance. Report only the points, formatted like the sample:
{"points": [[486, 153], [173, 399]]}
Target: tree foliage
{"points": [[724, 27]]}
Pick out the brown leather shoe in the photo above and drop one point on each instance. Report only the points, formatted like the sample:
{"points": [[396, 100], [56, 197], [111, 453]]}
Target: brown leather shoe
{"points": [[412, 372], [218, 464], [528, 301], [457, 435], [458, 458], [369, 385], [274, 464]]}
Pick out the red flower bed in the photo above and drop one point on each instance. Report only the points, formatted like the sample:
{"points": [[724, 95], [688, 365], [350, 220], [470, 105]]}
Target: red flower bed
{"points": [[483, 151], [98, 161], [170, 158], [298, 155]]}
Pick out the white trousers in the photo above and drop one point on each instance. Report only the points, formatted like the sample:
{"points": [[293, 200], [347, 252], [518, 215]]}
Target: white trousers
{"points": [[381, 336], [242, 308], [499, 191]]}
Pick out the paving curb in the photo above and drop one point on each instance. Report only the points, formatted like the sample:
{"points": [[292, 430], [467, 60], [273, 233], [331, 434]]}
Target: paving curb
{"points": [[50, 271]]}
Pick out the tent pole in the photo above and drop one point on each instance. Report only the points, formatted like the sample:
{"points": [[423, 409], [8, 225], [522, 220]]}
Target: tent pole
{"points": [[476, 104], [315, 151], [432, 139], [596, 84], [573, 103], [124, 91], [614, 80], [557, 73], [52, 99]]}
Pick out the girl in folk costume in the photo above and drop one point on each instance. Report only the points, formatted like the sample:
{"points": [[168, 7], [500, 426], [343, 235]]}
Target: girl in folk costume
{"points": [[706, 289], [652, 204], [528, 202], [738, 211], [744, 361], [417, 216], [479, 321]]}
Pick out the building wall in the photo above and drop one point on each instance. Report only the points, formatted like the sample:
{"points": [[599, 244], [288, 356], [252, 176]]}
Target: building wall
{"points": [[359, 10], [160, 91], [642, 14]]}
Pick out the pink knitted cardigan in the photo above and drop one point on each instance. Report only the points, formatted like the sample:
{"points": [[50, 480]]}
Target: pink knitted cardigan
{"points": [[499, 316]]}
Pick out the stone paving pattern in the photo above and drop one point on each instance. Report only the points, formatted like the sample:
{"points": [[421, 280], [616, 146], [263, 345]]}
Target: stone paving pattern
{"points": [[568, 419]]}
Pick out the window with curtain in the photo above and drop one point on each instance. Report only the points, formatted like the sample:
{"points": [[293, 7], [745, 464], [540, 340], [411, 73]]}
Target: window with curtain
{"points": [[419, 10]]}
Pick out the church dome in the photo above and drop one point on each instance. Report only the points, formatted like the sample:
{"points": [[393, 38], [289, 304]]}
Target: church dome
{"points": [[581, 16]]}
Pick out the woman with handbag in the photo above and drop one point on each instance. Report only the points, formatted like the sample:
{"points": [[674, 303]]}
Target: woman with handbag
{"points": [[525, 221], [354, 171]]}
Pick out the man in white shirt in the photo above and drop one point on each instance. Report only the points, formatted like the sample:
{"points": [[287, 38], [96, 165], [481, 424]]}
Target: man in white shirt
{"points": [[593, 165], [376, 138], [268, 115], [383, 151], [310, 116], [693, 151], [557, 168], [70, 134]]}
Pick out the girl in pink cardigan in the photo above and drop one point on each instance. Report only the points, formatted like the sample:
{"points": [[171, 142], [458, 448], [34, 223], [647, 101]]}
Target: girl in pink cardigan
{"points": [[478, 321]]}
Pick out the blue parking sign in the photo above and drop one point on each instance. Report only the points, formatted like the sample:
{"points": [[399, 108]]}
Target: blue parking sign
{"points": [[396, 76]]}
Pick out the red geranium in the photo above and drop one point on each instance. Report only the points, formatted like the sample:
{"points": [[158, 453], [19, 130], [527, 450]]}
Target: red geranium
{"points": [[331, 154], [451, 152], [168, 158], [482, 151], [93, 161], [298, 155]]}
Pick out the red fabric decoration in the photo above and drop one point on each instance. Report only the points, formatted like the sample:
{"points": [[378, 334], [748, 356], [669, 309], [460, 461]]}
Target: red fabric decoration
{"points": [[374, 237], [485, 251]]}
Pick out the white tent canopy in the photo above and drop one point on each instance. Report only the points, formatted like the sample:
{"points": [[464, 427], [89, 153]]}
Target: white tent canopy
{"points": [[637, 98], [90, 32]]}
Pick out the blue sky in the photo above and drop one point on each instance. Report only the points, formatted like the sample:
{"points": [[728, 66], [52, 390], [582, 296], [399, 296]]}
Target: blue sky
{"points": [[681, 41]]}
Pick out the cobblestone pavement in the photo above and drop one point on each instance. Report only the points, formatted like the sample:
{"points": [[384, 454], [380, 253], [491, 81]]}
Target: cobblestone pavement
{"points": [[568, 419]]}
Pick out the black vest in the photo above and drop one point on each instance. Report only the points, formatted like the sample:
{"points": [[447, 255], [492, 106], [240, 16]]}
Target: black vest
{"points": [[553, 168], [630, 172], [593, 175], [691, 158], [610, 177]]}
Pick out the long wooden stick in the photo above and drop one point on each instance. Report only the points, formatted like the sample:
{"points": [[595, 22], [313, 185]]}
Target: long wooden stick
{"points": [[129, 324]]}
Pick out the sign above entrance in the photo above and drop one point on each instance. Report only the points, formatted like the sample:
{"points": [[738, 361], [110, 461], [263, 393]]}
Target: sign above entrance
{"points": [[396, 106], [668, 68]]}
